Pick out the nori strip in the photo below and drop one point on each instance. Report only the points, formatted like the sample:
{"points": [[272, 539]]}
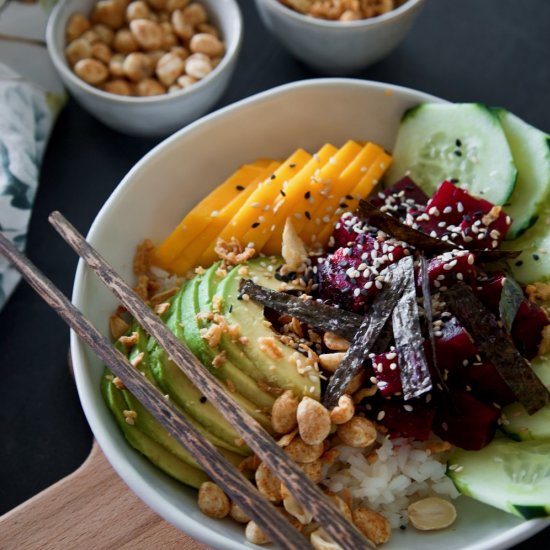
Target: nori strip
{"points": [[372, 325], [510, 300], [413, 367], [317, 315], [493, 341], [419, 240], [428, 312]]}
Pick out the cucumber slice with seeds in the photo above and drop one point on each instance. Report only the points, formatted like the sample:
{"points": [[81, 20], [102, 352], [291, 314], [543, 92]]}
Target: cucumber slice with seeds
{"points": [[463, 143], [531, 151], [510, 475]]}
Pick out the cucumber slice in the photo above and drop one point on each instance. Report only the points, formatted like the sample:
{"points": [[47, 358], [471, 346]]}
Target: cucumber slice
{"points": [[533, 264], [463, 143], [517, 424], [531, 152], [510, 475]]}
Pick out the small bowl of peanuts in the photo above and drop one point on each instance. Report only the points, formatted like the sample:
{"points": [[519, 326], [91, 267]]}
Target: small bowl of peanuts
{"points": [[339, 37], [145, 67]]}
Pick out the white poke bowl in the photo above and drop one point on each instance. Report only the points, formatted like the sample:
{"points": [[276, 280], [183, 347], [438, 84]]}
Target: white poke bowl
{"points": [[271, 124]]}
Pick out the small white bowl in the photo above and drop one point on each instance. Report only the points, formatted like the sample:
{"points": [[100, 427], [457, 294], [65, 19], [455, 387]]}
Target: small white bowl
{"points": [[149, 116], [334, 47], [152, 199]]}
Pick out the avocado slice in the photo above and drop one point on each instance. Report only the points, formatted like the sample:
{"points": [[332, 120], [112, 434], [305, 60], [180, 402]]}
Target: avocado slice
{"points": [[158, 455], [278, 369]]}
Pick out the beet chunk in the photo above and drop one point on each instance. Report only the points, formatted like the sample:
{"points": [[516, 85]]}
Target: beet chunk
{"points": [[466, 421], [400, 199], [453, 345], [449, 268], [453, 214], [413, 418], [387, 373], [487, 384]]}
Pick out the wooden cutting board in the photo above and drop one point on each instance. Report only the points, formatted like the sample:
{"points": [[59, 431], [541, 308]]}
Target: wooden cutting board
{"points": [[91, 508]]}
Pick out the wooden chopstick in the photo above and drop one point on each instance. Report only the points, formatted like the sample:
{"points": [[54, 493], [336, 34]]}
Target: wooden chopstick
{"points": [[258, 439], [225, 474]]}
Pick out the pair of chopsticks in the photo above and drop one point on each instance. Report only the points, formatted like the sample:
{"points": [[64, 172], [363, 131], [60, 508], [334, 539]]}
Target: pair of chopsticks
{"points": [[257, 438]]}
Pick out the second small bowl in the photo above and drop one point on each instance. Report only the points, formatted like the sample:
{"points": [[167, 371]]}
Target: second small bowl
{"points": [[335, 47]]}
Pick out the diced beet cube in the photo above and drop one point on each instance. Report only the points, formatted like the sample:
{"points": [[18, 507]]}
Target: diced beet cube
{"points": [[453, 214], [347, 277], [387, 373], [346, 231], [449, 268], [465, 421], [412, 418], [487, 384], [489, 288], [527, 328], [400, 198], [453, 345]]}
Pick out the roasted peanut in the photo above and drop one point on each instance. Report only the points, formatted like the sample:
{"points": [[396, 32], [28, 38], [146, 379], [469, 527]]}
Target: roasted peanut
{"points": [[147, 34], [149, 87], [209, 45], [91, 71], [116, 65], [183, 29], [194, 14], [158, 5], [431, 513], [110, 13], [169, 67], [172, 5], [91, 36], [313, 421], [102, 52], [342, 505], [300, 451], [283, 412], [238, 514], [182, 52], [155, 56], [117, 326], [137, 10], [344, 411], [330, 361], [267, 483], [77, 24], [78, 49], [137, 66], [124, 41], [335, 342], [174, 88], [374, 526], [105, 33], [210, 29], [321, 541], [198, 65], [118, 87], [293, 249], [212, 501], [312, 471], [254, 534], [169, 39], [296, 510], [356, 382], [359, 432]]}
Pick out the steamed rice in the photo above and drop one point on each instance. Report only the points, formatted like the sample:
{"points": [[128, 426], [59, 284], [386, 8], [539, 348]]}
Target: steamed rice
{"points": [[403, 471]]}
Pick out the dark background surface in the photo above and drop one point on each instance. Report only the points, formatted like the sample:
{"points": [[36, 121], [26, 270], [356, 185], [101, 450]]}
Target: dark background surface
{"points": [[492, 51]]}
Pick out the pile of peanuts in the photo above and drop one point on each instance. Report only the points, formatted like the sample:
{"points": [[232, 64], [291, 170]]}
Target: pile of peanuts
{"points": [[309, 433], [143, 47], [342, 10]]}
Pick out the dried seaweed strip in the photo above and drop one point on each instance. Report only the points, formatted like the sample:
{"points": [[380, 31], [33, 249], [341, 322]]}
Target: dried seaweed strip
{"points": [[393, 227], [371, 327], [422, 241], [493, 341], [428, 312], [413, 366], [316, 315], [510, 300]]}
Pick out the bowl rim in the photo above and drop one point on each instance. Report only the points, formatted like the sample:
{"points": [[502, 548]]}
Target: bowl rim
{"points": [[58, 59], [193, 527], [343, 26]]}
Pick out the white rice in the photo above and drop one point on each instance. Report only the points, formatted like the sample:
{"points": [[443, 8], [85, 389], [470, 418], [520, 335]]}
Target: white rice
{"points": [[403, 472]]}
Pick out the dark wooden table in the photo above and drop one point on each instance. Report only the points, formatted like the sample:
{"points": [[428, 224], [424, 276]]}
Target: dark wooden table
{"points": [[491, 51]]}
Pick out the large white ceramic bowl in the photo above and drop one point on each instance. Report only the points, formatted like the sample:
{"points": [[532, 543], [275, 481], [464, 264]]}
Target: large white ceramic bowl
{"points": [[334, 47], [152, 198], [149, 116]]}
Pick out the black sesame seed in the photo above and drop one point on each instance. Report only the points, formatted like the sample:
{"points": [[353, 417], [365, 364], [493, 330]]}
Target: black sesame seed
{"points": [[273, 176], [307, 195], [458, 153], [255, 224], [293, 165], [536, 257], [307, 215], [202, 399], [282, 193], [343, 205], [519, 262], [349, 197], [458, 143], [454, 180], [239, 188]]}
